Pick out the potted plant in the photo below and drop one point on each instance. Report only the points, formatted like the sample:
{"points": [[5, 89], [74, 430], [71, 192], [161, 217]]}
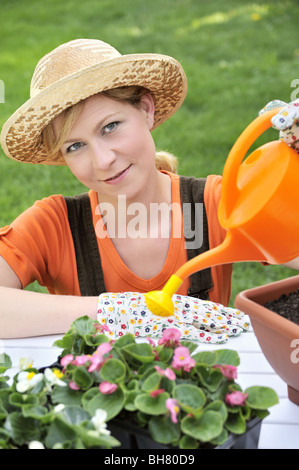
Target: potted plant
{"points": [[104, 394], [277, 335]]}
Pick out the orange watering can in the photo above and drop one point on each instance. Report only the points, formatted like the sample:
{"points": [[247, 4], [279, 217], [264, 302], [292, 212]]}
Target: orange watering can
{"points": [[259, 208]]}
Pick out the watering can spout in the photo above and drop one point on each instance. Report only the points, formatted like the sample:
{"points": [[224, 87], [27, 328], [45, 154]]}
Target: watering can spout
{"points": [[258, 209], [233, 248]]}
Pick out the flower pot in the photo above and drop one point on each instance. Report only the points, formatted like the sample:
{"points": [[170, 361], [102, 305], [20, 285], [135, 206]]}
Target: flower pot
{"points": [[132, 436], [276, 335]]}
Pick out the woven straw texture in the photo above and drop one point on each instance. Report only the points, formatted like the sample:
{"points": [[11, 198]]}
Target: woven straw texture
{"points": [[79, 69]]}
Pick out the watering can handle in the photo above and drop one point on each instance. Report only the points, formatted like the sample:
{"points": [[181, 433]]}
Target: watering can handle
{"points": [[230, 191]]}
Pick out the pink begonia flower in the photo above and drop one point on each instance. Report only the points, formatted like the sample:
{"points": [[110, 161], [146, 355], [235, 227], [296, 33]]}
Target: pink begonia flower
{"points": [[230, 372], [80, 360], [73, 385], [100, 328], [166, 372], [182, 359], [151, 342], [65, 360], [96, 362], [157, 392], [170, 337], [172, 405], [236, 398], [97, 359], [104, 348], [107, 388]]}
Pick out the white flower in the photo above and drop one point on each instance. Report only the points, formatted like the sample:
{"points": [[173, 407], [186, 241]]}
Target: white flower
{"points": [[27, 380], [99, 421], [59, 408], [53, 377], [35, 445], [25, 363]]}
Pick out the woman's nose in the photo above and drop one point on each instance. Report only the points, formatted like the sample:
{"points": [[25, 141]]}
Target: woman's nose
{"points": [[102, 157]]}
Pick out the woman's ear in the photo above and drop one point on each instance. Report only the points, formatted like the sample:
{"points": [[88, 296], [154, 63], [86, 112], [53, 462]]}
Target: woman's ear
{"points": [[147, 105]]}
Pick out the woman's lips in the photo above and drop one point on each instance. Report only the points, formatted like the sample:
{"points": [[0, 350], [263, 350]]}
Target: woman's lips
{"points": [[118, 177]]}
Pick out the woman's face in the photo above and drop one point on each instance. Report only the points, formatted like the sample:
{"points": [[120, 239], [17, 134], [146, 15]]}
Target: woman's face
{"points": [[110, 148]]}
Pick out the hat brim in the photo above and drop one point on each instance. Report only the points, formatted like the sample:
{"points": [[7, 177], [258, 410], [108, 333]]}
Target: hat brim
{"points": [[162, 75]]}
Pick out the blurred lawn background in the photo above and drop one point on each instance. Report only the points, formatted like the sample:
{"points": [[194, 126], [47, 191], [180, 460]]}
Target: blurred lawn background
{"points": [[238, 55]]}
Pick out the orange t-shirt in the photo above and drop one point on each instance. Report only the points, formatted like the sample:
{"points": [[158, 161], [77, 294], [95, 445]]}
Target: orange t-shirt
{"points": [[38, 245]]}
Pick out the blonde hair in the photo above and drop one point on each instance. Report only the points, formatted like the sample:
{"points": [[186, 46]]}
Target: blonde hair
{"points": [[132, 95]]}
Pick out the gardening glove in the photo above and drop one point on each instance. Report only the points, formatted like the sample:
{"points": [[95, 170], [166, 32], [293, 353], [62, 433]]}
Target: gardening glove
{"points": [[197, 320], [286, 121]]}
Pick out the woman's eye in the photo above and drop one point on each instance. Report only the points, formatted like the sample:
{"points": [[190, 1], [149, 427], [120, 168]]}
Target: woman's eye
{"points": [[74, 147], [110, 127]]}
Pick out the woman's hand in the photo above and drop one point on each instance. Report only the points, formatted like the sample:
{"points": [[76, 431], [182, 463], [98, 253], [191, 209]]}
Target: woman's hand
{"points": [[286, 121]]}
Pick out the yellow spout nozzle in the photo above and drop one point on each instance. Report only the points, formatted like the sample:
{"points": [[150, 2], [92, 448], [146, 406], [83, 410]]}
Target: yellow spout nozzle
{"points": [[159, 301], [234, 248]]}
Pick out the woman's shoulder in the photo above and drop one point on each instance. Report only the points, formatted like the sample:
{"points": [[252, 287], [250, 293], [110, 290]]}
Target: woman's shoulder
{"points": [[53, 203], [50, 209]]}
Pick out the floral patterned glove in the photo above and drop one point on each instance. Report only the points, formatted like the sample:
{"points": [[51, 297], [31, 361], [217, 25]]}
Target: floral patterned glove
{"points": [[197, 320], [286, 121]]}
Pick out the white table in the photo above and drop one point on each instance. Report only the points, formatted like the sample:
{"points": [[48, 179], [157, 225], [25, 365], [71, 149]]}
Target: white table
{"points": [[280, 430]]}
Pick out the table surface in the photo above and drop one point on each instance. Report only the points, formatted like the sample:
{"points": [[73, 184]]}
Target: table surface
{"points": [[280, 430]]}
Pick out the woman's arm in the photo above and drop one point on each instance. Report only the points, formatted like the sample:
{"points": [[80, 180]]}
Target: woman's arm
{"points": [[25, 313]]}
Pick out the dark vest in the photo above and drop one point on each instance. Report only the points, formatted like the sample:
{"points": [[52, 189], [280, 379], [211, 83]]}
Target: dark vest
{"points": [[89, 266]]}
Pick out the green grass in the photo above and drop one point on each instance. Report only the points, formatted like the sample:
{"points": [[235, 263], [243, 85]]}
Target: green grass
{"points": [[237, 55]]}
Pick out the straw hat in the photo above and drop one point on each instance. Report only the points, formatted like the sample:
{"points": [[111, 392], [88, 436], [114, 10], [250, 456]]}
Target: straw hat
{"points": [[76, 70]]}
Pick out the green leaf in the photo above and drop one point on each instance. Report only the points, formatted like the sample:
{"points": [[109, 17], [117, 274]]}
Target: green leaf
{"points": [[236, 423], [22, 430], [261, 398], [165, 354], [163, 430], [188, 442], [88, 395], [190, 398], [113, 371], [209, 378], [82, 378], [95, 340], [4, 437], [220, 407], [221, 439], [130, 400], [92, 439], [133, 385], [152, 382], [205, 428], [123, 341], [3, 412], [74, 415], [5, 363], [190, 345], [66, 342], [205, 357], [227, 357], [4, 399], [37, 412], [59, 432], [83, 326], [142, 352], [112, 403], [151, 405], [66, 395], [3, 381], [20, 399]]}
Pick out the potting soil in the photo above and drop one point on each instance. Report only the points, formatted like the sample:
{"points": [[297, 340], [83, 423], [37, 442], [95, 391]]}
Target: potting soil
{"points": [[287, 306]]}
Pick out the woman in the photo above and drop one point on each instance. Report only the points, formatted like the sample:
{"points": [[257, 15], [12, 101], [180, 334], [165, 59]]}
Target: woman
{"points": [[93, 110]]}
